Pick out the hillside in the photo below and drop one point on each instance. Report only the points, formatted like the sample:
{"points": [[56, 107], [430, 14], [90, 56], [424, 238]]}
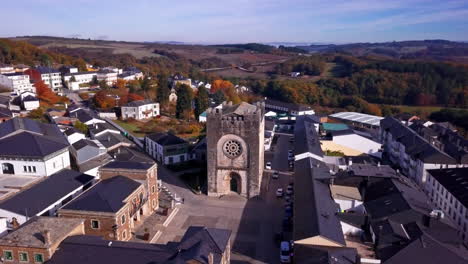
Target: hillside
{"points": [[437, 50]]}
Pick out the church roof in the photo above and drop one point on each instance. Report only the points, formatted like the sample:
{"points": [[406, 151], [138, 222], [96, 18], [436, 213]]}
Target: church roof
{"points": [[239, 109]]}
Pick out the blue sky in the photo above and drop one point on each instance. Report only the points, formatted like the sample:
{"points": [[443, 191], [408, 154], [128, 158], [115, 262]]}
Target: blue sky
{"points": [[236, 21]]}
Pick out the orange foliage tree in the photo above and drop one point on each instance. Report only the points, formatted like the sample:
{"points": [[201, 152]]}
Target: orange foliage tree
{"points": [[45, 94], [220, 85], [103, 100], [134, 97]]}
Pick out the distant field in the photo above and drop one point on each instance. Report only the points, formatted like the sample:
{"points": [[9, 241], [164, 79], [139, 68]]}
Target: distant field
{"points": [[138, 51]]}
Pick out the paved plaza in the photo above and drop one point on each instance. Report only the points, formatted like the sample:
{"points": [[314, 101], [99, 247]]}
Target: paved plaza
{"points": [[253, 222]]}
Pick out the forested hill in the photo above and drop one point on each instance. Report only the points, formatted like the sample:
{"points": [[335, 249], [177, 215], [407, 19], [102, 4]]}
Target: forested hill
{"points": [[21, 52], [437, 50]]}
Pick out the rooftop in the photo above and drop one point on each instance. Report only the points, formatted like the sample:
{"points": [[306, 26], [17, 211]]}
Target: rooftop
{"points": [[306, 137], [334, 126], [359, 118], [31, 233], [166, 139], [139, 103], [105, 196], [82, 143], [37, 198], [289, 106]]}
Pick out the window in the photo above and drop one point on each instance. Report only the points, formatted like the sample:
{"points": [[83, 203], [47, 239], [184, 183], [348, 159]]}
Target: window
{"points": [[38, 258], [154, 203], [94, 224], [25, 169], [123, 219], [124, 234], [8, 255], [152, 189], [34, 169], [23, 256]]}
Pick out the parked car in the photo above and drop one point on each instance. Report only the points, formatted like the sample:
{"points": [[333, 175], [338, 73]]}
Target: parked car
{"points": [[268, 165], [275, 175], [285, 252], [279, 192]]}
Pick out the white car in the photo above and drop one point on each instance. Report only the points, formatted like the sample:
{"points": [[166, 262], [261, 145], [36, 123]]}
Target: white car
{"points": [[268, 166], [275, 175], [285, 253], [279, 192]]}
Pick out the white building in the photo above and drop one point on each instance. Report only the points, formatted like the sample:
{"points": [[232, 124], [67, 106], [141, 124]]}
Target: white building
{"points": [[80, 78], [292, 109], [51, 77], [113, 69], [17, 82], [167, 148], [110, 77], [29, 101], [447, 189], [7, 69], [73, 135], [142, 109], [29, 147], [411, 152]]}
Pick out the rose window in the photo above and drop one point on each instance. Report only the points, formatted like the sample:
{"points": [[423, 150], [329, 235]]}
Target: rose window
{"points": [[232, 148]]}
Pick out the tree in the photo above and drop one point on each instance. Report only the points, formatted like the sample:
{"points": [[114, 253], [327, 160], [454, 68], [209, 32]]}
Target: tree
{"points": [[81, 127], [44, 93], [145, 84], [103, 84], [94, 81], [134, 97], [201, 101], [163, 89], [184, 101], [219, 97], [121, 84], [220, 85], [103, 100]]}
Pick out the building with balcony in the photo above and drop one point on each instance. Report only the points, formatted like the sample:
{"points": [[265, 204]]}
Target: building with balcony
{"points": [[17, 82], [112, 208], [139, 110]]}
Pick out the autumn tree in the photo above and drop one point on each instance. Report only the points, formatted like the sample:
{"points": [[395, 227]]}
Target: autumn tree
{"points": [[220, 85], [103, 100], [184, 101], [163, 89], [201, 101], [219, 97], [44, 93], [134, 97]]}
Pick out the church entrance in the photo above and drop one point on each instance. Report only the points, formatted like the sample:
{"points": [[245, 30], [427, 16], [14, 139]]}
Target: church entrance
{"points": [[235, 182]]}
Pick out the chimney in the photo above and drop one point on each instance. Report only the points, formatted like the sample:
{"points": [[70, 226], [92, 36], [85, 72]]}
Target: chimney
{"points": [[210, 258], [46, 236]]}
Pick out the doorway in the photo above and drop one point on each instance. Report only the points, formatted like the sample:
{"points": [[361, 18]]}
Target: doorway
{"points": [[235, 182]]}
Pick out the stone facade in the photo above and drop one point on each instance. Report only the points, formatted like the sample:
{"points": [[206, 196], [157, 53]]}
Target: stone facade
{"points": [[235, 136]]}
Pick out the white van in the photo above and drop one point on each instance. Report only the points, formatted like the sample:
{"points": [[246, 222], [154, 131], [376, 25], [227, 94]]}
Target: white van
{"points": [[285, 254]]}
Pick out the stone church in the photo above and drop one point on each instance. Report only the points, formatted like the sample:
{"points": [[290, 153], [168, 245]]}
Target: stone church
{"points": [[235, 149]]}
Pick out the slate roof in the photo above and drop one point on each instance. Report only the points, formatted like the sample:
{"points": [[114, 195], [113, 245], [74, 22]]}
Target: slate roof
{"points": [[454, 181], [196, 245], [5, 112], [128, 165], [105, 196], [314, 209], [309, 254], [306, 138], [96, 250], [30, 98], [46, 70], [289, 106], [29, 234], [100, 127], [82, 143], [415, 145], [70, 131], [166, 139], [130, 154], [239, 109], [82, 115], [22, 137], [110, 140], [45, 193], [139, 103]]}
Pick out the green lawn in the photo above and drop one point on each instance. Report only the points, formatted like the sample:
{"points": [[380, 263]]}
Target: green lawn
{"points": [[131, 128]]}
